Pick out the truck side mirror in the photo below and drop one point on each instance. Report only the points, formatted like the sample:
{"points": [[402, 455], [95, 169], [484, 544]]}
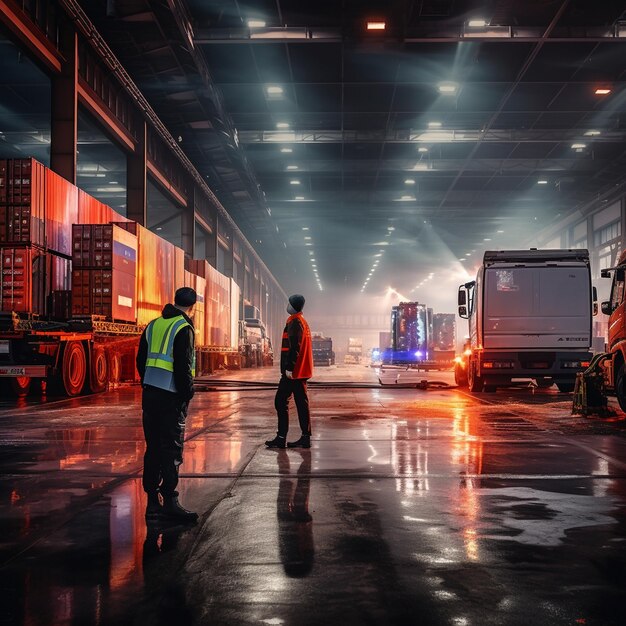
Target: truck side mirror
{"points": [[462, 297], [606, 308], [605, 274], [594, 293], [463, 312]]}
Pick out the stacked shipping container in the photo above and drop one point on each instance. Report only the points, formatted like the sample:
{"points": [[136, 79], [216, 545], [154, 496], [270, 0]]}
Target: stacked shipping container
{"points": [[104, 271], [36, 207], [121, 270]]}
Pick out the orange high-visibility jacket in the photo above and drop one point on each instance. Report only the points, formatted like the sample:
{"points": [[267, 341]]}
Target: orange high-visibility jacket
{"points": [[296, 354]]}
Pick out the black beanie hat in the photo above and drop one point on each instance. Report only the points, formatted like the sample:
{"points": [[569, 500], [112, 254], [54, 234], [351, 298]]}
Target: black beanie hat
{"points": [[185, 296], [297, 302]]}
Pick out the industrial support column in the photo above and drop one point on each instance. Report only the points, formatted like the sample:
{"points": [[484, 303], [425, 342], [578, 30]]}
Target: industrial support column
{"points": [[188, 222], [212, 242], [137, 177], [64, 119]]}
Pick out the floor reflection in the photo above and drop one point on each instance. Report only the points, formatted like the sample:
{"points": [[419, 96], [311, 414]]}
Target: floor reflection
{"points": [[295, 523]]}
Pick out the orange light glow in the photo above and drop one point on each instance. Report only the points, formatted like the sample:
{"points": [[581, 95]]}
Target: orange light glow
{"points": [[602, 91], [468, 352], [376, 26], [458, 359]]}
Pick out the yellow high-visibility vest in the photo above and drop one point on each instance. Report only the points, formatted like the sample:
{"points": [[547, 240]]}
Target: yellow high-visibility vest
{"points": [[160, 335]]}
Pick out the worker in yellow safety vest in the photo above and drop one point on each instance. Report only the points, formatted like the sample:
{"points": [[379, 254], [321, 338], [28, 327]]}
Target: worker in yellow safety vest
{"points": [[166, 364]]}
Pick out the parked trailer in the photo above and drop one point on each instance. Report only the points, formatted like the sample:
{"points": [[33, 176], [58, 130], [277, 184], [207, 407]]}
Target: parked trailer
{"points": [[80, 282]]}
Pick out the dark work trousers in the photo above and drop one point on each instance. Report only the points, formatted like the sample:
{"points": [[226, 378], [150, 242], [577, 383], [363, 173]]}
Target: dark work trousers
{"points": [[297, 387], [164, 415]]}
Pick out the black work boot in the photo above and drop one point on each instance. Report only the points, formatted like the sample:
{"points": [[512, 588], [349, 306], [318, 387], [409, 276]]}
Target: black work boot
{"points": [[174, 511], [154, 508], [303, 442], [277, 442]]}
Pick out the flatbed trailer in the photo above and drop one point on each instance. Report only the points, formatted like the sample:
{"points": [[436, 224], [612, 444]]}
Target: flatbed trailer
{"points": [[73, 357]]}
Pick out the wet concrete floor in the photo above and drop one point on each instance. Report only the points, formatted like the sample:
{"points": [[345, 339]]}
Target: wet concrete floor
{"points": [[412, 507]]}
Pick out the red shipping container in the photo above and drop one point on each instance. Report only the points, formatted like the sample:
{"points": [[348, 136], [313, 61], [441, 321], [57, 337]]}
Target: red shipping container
{"points": [[22, 202], [60, 307], [61, 213], [104, 246], [81, 292], [156, 271], [23, 286], [106, 292], [92, 211]]}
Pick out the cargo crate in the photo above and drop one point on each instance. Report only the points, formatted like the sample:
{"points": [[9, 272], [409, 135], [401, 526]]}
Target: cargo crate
{"points": [[106, 292], [104, 246]]}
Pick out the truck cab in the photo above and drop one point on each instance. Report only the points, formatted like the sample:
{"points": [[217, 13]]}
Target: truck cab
{"points": [[615, 308], [529, 315]]}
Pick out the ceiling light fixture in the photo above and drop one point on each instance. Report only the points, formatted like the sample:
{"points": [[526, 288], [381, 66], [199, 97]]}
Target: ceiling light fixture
{"points": [[602, 91], [434, 124], [447, 88], [256, 24], [292, 167], [294, 182], [286, 150], [422, 149], [592, 133], [376, 26], [299, 198], [408, 181], [477, 23], [542, 182], [275, 90], [579, 146], [282, 125]]}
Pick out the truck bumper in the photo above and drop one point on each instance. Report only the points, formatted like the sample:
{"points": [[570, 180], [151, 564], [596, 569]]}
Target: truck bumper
{"points": [[559, 366], [32, 371]]}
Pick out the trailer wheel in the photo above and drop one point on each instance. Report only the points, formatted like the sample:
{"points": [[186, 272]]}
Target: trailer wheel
{"points": [[98, 370], [475, 382], [20, 385], [620, 387], [74, 368]]}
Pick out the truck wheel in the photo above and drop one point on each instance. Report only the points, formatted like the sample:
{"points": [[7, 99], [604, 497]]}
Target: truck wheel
{"points": [[74, 368], [476, 383], [460, 375], [566, 387], [20, 385], [98, 370], [620, 387]]}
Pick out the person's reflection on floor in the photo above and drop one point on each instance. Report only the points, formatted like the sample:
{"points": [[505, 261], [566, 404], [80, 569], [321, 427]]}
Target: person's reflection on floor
{"points": [[165, 595], [295, 523]]}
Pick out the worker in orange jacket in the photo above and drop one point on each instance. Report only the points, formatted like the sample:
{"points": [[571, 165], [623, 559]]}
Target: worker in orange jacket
{"points": [[296, 367]]}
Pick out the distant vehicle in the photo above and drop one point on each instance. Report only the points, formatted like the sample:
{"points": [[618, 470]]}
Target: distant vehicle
{"points": [[442, 340], [530, 314], [409, 334], [322, 350], [255, 346], [355, 351]]}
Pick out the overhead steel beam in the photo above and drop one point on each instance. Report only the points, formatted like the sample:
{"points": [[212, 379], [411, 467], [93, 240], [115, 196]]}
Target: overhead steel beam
{"points": [[21, 25], [304, 34], [428, 137]]}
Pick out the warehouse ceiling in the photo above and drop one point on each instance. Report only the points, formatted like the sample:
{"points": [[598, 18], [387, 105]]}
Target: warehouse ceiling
{"points": [[385, 156]]}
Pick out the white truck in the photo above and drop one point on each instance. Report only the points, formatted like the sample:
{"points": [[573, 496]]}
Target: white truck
{"points": [[530, 317]]}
